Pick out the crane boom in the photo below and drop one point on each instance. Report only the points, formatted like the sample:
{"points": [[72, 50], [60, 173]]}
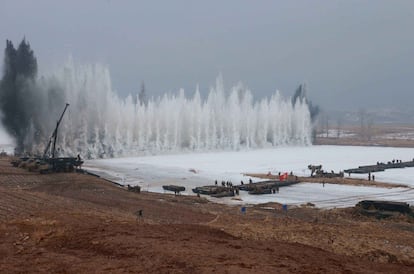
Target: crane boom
{"points": [[54, 136]]}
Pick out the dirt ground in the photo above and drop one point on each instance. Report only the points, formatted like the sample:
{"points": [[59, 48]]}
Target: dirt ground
{"points": [[375, 135], [76, 223]]}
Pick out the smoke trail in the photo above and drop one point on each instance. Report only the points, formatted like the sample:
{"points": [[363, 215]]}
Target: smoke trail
{"points": [[99, 123]]}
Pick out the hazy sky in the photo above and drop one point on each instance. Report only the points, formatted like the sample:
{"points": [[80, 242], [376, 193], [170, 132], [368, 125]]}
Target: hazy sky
{"points": [[351, 54]]}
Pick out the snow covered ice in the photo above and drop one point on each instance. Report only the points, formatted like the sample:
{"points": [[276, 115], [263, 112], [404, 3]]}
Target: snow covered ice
{"points": [[198, 169]]}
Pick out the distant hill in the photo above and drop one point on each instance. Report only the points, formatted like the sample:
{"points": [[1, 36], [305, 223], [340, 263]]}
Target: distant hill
{"points": [[377, 116]]}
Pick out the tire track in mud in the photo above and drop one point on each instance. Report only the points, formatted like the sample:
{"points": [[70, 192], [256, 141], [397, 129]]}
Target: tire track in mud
{"points": [[23, 202], [13, 204]]}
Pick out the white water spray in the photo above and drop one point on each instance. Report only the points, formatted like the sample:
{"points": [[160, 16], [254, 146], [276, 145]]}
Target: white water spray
{"points": [[101, 124]]}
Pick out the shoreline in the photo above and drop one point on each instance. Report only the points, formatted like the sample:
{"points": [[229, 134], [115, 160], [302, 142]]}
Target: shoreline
{"points": [[78, 223]]}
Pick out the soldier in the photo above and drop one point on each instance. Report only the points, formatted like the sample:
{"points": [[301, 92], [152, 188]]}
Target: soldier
{"points": [[139, 214]]}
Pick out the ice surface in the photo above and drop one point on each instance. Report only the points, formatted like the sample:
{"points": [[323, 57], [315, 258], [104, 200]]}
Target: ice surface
{"points": [[197, 169]]}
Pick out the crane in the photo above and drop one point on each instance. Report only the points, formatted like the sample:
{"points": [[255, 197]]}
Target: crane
{"points": [[54, 137], [48, 162]]}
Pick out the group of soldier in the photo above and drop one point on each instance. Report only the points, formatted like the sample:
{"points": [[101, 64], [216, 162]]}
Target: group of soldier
{"points": [[394, 161], [223, 183], [229, 185]]}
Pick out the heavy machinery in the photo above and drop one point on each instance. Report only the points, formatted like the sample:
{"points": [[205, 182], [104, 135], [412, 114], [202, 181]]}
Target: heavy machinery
{"points": [[57, 164], [383, 209], [317, 171], [53, 138], [49, 162]]}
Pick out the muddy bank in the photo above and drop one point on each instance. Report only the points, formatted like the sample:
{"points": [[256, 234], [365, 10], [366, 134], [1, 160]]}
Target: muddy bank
{"points": [[76, 223]]}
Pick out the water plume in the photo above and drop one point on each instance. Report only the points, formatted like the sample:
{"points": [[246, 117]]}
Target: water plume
{"points": [[101, 124]]}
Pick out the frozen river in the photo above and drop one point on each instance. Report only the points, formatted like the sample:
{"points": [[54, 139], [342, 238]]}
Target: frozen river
{"points": [[198, 169]]}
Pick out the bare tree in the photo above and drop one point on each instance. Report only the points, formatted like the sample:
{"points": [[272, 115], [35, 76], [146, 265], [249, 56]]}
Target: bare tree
{"points": [[362, 118], [369, 128], [338, 127], [326, 124], [366, 125], [323, 125]]}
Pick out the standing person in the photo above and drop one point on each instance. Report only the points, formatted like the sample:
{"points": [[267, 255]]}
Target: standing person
{"points": [[78, 162]]}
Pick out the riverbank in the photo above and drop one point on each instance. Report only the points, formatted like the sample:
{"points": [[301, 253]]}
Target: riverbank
{"points": [[76, 223]]}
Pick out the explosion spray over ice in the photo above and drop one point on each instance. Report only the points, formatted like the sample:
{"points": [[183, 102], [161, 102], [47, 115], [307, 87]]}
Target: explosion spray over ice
{"points": [[101, 124]]}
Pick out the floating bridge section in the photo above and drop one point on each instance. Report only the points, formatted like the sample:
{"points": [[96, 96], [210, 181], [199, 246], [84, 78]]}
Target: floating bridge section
{"points": [[379, 167]]}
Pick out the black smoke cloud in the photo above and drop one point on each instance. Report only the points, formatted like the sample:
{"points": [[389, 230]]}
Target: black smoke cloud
{"points": [[27, 103], [300, 94]]}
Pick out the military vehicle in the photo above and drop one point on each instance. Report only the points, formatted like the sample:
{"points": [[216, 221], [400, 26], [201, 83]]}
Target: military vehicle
{"points": [[48, 162]]}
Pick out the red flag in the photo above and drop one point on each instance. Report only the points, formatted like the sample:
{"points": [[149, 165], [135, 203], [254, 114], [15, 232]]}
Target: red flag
{"points": [[283, 176]]}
